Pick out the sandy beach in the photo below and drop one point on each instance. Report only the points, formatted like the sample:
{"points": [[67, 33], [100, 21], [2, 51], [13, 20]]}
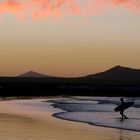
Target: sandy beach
{"points": [[20, 123]]}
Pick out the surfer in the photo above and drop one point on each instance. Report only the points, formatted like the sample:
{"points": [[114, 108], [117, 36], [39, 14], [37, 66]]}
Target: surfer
{"points": [[123, 106], [122, 109]]}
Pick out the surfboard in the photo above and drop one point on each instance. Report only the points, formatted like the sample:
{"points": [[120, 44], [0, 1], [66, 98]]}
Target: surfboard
{"points": [[123, 106]]}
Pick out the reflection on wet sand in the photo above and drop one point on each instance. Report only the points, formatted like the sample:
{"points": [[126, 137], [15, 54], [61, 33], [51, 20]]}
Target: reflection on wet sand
{"points": [[17, 127]]}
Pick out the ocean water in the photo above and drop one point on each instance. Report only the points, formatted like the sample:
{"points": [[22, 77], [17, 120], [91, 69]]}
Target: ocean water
{"points": [[99, 111]]}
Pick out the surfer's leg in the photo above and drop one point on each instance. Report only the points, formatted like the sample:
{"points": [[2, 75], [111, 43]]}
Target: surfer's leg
{"points": [[121, 112], [125, 117]]}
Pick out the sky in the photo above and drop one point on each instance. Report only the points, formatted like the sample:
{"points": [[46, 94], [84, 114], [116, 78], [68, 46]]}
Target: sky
{"points": [[68, 38]]}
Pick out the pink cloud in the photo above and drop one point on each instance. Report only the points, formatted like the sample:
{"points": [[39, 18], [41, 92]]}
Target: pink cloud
{"points": [[13, 8], [38, 9], [131, 5]]}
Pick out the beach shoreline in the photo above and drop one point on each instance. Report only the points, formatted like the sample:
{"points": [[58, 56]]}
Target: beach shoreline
{"points": [[103, 126], [20, 124]]}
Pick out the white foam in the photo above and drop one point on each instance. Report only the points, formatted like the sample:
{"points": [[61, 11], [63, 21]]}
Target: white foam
{"points": [[101, 113]]}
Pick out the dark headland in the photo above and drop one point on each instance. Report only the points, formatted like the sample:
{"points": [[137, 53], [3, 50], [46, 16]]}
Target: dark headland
{"points": [[117, 81]]}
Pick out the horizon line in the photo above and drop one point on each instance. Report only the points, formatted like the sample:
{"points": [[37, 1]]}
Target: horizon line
{"points": [[47, 75]]}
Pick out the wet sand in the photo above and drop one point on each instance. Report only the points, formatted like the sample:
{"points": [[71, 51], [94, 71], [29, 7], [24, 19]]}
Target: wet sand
{"points": [[18, 124]]}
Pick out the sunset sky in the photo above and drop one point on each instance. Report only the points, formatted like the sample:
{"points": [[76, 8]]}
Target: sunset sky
{"points": [[68, 37]]}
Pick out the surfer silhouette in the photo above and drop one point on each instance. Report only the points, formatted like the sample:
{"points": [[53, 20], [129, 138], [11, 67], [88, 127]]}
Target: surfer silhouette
{"points": [[123, 106], [122, 109]]}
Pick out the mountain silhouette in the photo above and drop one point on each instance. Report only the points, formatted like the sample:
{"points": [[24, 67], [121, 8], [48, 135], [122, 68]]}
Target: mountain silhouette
{"points": [[116, 81], [117, 74], [32, 74]]}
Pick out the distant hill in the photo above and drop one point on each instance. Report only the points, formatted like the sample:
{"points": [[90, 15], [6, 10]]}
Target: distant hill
{"points": [[117, 81], [33, 74], [116, 74]]}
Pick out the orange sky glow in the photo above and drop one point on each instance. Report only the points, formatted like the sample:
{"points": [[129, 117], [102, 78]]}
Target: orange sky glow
{"points": [[68, 37]]}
